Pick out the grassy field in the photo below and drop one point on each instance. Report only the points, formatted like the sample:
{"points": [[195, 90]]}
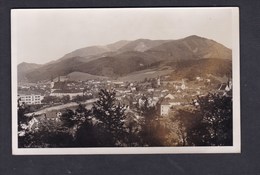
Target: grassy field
{"points": [[84, 76], [148, 73]]}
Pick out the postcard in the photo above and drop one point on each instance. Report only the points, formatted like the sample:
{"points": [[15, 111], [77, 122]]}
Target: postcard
{"points": [[125, 81]]}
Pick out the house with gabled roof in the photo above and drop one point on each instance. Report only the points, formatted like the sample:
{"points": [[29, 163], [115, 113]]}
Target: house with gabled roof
{"points": [[169, 96]]}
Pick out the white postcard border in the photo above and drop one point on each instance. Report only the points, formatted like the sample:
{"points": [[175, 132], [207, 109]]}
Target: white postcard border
{"points": [[236, 148]]}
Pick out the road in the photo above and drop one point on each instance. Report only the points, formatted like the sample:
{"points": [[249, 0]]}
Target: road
{"points": [[56, 108]]}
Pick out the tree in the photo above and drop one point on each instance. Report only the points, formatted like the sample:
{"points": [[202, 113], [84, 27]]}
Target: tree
{"points": [[133, 128], [75, 129], [51, 100], [80, 98], [71, 119], [49, 134], [68, 118], [65, 99], [209, 123], [216, 113], [22, 123], [86, 135], [22, 109], [154, 83], [185, 121], [152, 133], [111, 116]]}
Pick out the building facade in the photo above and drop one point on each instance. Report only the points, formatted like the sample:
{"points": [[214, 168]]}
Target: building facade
{"points": [[31, 99], [165, 108]]}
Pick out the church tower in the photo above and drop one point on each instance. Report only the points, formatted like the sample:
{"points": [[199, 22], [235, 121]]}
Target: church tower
{"points": [[52, 82], [159, 81], [183, 85]]}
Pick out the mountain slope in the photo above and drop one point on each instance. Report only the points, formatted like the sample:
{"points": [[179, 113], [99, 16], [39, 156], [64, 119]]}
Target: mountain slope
{"points": [[23, 68], [74, 76], [117, 45], [86, 52], [49, 71], [91, 51], [192, 47], [189, 69], [118, 65], [203, 67], [141, 45], [126, 57]]}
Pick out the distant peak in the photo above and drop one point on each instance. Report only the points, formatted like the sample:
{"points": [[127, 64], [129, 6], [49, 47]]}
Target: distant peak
{"points": [[142, 39], [23, 63], [26, 64], [193, 37], [122, 41]]}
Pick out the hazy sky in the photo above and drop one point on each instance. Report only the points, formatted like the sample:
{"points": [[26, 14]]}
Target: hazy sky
{"points": [[40, 36]]}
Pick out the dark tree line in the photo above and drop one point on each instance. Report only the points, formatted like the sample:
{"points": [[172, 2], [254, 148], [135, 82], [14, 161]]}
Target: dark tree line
{"points": [[65, 99], [209, 123]]}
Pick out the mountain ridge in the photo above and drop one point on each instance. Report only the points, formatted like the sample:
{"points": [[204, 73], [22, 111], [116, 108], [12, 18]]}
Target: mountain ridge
{"points": [[24, 68], [125, 57]]}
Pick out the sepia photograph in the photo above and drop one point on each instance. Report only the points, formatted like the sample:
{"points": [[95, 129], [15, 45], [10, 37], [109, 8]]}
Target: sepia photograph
{"points": [[125, 81]]}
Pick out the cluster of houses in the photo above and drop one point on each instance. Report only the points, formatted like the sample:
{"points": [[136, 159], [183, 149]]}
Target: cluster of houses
{"points": [[62, 88], [168, 94]]}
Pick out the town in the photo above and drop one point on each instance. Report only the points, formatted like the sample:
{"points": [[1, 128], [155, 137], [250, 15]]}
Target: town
{"points": [[52, 97]]}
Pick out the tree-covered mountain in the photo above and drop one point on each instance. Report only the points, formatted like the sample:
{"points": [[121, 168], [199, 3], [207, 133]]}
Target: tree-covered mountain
{"points": [[93, 51], [200, 55], [23, 69], [190, 48], [141, 45]]}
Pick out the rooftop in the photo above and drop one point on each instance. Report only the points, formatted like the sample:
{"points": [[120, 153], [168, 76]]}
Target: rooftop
{"points": [[67, 91], [59, 85], [24, 92]]}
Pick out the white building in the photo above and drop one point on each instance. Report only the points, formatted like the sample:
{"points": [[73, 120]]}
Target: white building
{"points": [[159, 81], [183, 87], [169, 103], [150, 90], [165, 108], [29, 98]]}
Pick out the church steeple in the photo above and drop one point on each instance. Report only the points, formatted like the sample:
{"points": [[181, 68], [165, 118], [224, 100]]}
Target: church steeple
{"points": [[159, 81], [183, 85], [52, 82]]}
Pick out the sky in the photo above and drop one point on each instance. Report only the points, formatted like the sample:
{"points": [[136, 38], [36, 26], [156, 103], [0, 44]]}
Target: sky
{"points": [[43, 35]]}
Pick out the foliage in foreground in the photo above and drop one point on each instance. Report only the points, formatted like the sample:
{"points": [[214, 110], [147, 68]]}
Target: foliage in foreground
{"points": [[208, 123]]}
